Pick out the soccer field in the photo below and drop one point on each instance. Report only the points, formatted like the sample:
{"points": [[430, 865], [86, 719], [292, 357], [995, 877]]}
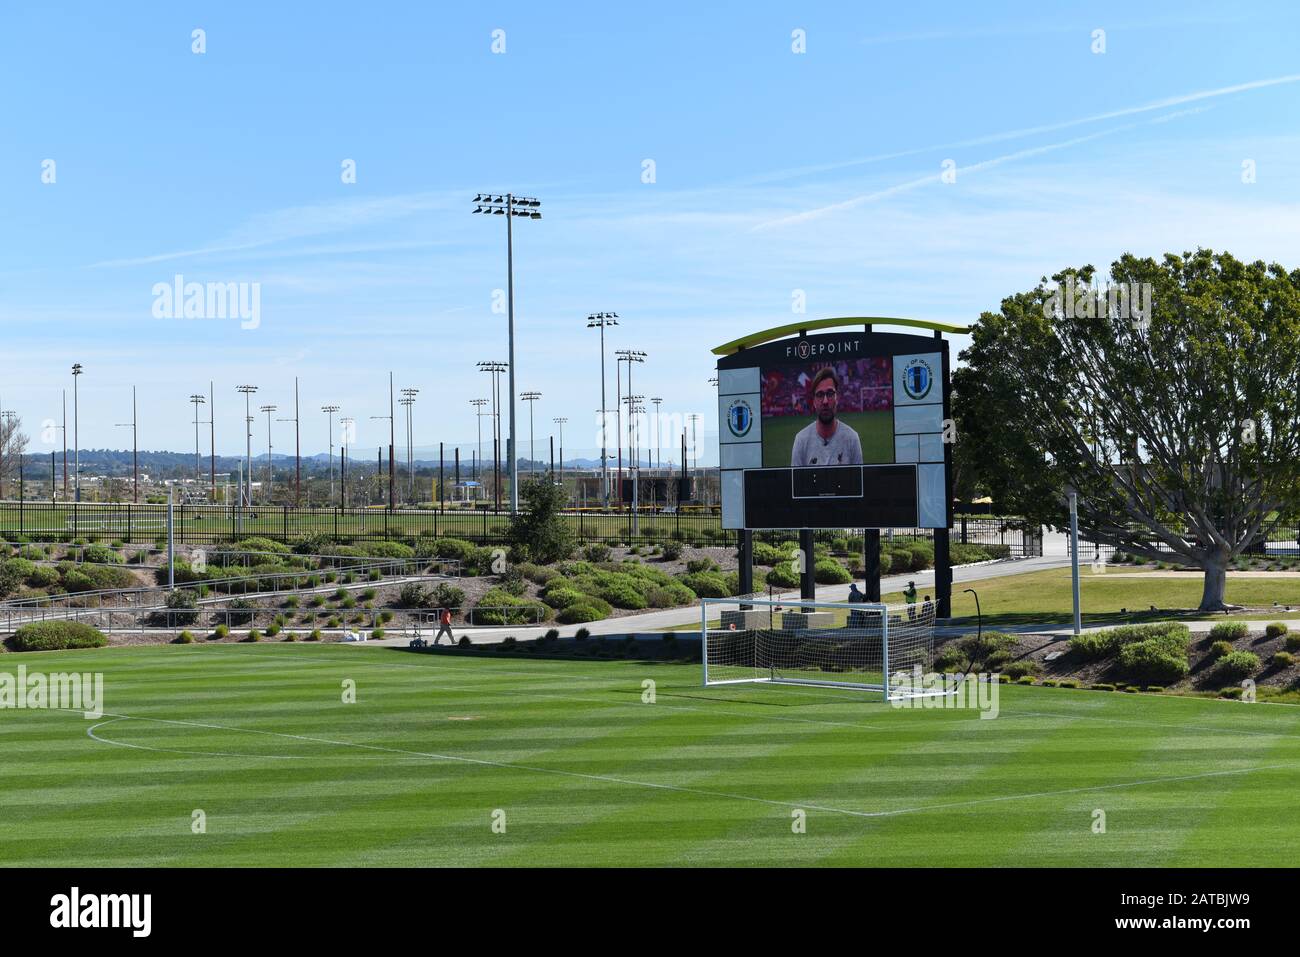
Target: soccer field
{"points": [[258, 739]]}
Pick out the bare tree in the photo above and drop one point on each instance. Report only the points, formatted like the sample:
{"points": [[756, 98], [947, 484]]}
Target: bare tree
{"points": [[13, 445]]}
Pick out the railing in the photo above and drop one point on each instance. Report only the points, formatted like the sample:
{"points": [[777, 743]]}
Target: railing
{"points": [[215, 524]]}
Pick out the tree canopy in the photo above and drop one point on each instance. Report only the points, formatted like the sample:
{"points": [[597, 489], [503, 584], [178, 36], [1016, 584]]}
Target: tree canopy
{"points": [[1178, 429]]}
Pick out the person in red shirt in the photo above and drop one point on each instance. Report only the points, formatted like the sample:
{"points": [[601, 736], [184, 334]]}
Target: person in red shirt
{"points": [[444, 626]]}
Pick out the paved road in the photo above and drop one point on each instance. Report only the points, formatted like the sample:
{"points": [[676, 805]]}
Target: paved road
{"points": [[669, 617]]}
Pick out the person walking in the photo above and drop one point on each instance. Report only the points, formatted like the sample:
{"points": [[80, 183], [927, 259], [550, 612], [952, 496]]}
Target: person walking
{"points": [[444, 626]]}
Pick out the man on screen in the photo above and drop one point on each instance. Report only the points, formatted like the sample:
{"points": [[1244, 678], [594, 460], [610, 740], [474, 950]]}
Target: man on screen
{"points": [[827, 441]]}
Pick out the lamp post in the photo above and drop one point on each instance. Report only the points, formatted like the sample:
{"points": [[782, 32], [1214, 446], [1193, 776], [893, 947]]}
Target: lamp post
{"points": [[496, 368], [297, 448], [247, 491], [330, 410], [630, 356], [510, 206], [379, 475], [76, 434], [658, 436], [599, 320], [270, 469], [212, 440], [531, 398]]}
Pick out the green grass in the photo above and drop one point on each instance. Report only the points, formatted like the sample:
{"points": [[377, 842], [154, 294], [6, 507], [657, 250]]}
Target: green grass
{"points": [[258, 738], [1045, 597]]}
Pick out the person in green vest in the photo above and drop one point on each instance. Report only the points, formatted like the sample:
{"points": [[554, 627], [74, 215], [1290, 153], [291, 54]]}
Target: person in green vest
{"points": [[910, 593]]}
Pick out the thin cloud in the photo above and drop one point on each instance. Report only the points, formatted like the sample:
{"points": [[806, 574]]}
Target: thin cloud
{"points": [[932, 178]]}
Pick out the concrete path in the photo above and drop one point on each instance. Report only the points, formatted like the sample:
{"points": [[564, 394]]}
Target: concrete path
{"points": [[690, 614]]}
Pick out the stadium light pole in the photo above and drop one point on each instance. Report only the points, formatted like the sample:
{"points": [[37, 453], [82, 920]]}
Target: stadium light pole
{"points": [[408, 400], [531, 398], [297, 468], [392, 445], [496, 368], [510, 206], [65, 444], [599, 320], [76, 433], [270, 470], [478, 422], [198, 468], [247, 492], [379, 471], [656, 462], [135, 449], [630, 356], [346, 423], [695, 449], [560, 422], [330, 410], [212, 440]]}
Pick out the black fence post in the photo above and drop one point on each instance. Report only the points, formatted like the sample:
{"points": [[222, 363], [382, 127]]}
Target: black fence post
{"points": [[871, 563], [807, 584]]}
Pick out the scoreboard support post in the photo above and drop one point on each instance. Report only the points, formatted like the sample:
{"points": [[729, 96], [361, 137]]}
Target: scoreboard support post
{"points": [[746, 547], [871, 564], [807, 584], [942, 574]]}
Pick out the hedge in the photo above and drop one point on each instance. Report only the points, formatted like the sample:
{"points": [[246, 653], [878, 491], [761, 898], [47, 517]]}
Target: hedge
{"points": [[56, 636]]}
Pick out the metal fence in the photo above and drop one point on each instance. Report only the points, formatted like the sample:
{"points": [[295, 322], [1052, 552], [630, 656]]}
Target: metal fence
{"points": [[213, 524], [1281, 541]]}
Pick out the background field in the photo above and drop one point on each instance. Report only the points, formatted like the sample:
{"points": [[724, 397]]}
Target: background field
{"points": [[875, 431], [257, 737]]}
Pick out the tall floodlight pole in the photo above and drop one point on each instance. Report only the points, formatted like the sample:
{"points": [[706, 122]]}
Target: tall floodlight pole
{"points": [[496, 368], [634, 411], [65, 445], [346, 423], [531, 398], [510, 206], [379, 472], [212, 440], [655, 462], [198, 400], [135, 472], [630, 356], [392, 422], [478, 422], [599, 320], [294, 420], [408, 400], [330, 410], [560, 422], [76, 433], [247, 492], [695, 449], [270, 470], [297, 449]]}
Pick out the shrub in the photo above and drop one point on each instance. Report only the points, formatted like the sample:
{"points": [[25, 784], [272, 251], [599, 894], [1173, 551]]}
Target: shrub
{"points": [[1025, 680], [1021, 668], [596, 553], [239, 612], [707, 584], [1228, 631], [377, 634], [1283, 659], [551, 635], [1154, 660], [1236, 666], [697, 565], [256, 543], [254, 635], [1219, 649], [184, 638], [1102, 686], [1275, 630], [1291, 642], [584, 610], [582, 634], [499, 607], [314, 635], [272, 629], [447, 596], [43, 576], [783, 576], [101, 555], [56, 636], [540, 531], [1095, 645], [672, 551], [827, 571], [221, 631]]}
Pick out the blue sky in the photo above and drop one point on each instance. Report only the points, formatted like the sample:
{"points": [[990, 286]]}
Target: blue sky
{"points": [[775, 171]]}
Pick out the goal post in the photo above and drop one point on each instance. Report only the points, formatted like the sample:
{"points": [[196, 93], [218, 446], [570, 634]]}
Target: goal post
{"points": [[851, 645]]}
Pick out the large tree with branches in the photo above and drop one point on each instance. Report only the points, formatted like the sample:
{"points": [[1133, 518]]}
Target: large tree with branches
{"points": [[13, 445], [1179, 429]]}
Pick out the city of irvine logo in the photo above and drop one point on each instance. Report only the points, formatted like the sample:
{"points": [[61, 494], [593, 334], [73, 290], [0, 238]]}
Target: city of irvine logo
{"points": [[740, 418], [917, 379]]}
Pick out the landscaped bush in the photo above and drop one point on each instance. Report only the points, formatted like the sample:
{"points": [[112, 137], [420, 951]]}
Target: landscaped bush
{"points": [[17, 569], [447, 596], [76, 581], [828, 571], [985, 651], [1095, 645], [182, 607], [783, 576], [707, 584], [256, 543], [1228, 631], [1283, 659], [1160, 660], [1291, 642], [583, 611], [596, 553], [101, 554], [254, 635], [1220, 648], [672, 551], [499, 607], [56, 636], [1275, 630], [1021, 668], [43, 576], [184, 638], [221, 631], [314, 635], [1236, 666]]}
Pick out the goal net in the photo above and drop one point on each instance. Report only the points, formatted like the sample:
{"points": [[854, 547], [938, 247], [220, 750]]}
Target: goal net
{"points": [[836, 644]]}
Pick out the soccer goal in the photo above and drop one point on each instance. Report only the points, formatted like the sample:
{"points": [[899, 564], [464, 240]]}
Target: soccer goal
{"points": [[835, 644]]}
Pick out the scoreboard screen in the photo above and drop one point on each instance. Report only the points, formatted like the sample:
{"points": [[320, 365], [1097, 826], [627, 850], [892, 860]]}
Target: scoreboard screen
{"points": [[843, 430]]}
